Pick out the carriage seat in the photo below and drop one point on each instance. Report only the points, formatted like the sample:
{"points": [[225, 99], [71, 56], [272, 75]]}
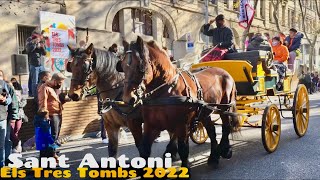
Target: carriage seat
{"points": [[253, 57]]}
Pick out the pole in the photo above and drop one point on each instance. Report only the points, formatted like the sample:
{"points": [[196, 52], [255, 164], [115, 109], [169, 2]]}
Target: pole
{"points": [[207, 20]]}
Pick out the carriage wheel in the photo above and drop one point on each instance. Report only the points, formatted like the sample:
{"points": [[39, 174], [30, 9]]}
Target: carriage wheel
{"points": [[300, 110], [271, 128], [200, 134]]}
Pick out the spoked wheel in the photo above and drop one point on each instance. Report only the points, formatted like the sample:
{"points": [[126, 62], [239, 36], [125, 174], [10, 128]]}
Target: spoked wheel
{"points": [[300, 110], [199, 134], [271, 128]]}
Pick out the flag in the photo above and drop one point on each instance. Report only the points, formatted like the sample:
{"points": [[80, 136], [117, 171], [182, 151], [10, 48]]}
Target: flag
{"points": [[246, 13]]}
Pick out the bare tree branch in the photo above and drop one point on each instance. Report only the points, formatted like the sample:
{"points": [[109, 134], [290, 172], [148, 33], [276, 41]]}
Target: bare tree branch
{"points": [[312, 41], [276, 5]]}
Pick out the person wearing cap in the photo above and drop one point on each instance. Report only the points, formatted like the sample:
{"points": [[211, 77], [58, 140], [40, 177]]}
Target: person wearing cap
{"points": [[222, 35], [35, 47], [281, 55], [293, 42], [50, 104]]}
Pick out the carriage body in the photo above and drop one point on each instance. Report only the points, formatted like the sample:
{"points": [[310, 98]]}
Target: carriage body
{"points": [[255, 82], [251, 74]]}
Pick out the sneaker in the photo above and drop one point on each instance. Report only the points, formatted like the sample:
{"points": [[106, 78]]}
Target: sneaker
{"points": [[123, 134], [105, 141], [19, 147], [157, 139], [279, 86]]}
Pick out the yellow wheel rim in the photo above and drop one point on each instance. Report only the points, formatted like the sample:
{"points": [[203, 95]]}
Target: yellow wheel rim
{"points": [[271, 128], [301, 110], [200, 135]]}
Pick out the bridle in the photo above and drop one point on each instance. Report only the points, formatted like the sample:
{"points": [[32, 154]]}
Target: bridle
{"points": [[139, 92], [87, 70]]}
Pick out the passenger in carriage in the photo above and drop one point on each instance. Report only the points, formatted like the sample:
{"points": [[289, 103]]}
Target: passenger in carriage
{"points": [[222, 38], [281, 55], [293, 42]]}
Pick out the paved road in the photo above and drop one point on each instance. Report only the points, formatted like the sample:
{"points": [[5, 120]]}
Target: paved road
{"points": [[295, 158]]}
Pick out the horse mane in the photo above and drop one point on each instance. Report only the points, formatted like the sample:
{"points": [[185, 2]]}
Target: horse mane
{"points": [[161, 60], [104, 64]]}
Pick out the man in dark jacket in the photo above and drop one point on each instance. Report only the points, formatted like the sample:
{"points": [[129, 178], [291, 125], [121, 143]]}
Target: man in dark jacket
{"points": [[293, 42], [5, 100], [222, 36], [35, 48]]}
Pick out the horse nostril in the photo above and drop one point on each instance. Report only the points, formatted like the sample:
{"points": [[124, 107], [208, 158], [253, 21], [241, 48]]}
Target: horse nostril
{"points": [[132, 101]]}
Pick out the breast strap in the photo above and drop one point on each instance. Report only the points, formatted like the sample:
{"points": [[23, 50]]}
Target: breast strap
{"points": [[199, 88]]}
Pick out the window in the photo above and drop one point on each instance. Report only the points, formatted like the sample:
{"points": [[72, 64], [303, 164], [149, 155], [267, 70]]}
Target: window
{"points": [[225, 3], [293, 19], [270, 12], [23, 33], [116, 23], [262, 9], [289, 18], [165, 33], [144, 18], [236, 5], [283, 19]]}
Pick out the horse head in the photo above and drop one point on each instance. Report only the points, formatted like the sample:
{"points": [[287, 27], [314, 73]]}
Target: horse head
{"points": [[142, 64], [135, 66], [81, 68]]}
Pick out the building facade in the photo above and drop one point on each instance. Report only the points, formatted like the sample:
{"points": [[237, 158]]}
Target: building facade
{"points": [[172, 23]]}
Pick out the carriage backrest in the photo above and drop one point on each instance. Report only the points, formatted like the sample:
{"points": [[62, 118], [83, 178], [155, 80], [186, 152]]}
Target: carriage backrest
{"points": [[253, 57]]}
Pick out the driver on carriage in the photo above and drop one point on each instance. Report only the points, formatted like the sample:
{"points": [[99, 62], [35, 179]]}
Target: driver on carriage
{"points": [[222, 37], [281, 55]]}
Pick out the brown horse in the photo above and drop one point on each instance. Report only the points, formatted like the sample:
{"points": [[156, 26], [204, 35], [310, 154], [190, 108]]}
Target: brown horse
{"points": [[165, 91], [100, 66]]}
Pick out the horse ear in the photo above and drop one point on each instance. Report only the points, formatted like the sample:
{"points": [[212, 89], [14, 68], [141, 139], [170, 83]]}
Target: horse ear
{"points": [[119, 67], [125, 45], [140, 44], [89, 50], [71, 49]]}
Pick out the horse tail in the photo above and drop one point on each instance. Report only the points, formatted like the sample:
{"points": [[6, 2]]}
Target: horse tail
{"points": [[235, 121]]}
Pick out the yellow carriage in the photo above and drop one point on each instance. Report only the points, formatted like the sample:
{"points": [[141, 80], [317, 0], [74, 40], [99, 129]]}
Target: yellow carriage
{"points": [[255, 82]]}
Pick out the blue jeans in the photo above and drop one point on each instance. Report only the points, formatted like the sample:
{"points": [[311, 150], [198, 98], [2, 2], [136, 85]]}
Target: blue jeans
{"points": [[34, 78], [5, 142]]}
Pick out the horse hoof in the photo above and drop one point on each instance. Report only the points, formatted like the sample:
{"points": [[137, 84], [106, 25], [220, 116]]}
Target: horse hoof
{"points": [[213, 162], [226, 153], [175, 158]]}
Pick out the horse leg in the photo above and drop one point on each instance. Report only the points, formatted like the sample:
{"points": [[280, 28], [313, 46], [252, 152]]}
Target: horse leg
{"points": [[172, 147], [113, 132], [136, 130], [211, 130], [148, 137], [183, 146], [224, 146]]}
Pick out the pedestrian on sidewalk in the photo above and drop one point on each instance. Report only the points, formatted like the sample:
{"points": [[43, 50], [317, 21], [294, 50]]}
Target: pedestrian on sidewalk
{"points": [[5, 101], [17, 124], [50, 104]]}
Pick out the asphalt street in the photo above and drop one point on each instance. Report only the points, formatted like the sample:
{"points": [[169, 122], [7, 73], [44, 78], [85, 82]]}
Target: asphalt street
{"points": [[295, 158]]}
